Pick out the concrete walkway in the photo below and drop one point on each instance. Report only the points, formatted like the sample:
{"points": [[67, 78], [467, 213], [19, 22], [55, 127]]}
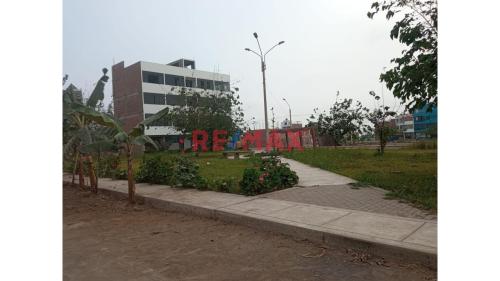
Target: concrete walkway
{"points": [[405, 238], [311, 176], [324, 188], [367, 199]]}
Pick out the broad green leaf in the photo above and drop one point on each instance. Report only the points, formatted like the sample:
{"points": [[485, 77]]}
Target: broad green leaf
{"points": [[100, 146], [98, 117], [121, 137], [141, 140], [98, 92]]}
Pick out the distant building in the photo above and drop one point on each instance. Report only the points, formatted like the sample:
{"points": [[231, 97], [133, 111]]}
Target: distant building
{"points": [[144, 88], [287, 125], [425, 123], [405, 125]]}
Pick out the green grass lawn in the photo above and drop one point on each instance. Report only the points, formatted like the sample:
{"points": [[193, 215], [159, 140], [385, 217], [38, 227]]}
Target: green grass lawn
{"points": [[212, 164], [214, 168], [409, 174]]}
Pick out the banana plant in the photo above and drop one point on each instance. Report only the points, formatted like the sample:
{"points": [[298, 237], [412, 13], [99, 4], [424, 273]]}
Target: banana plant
{"points": [[78, 130], [126, 140]]}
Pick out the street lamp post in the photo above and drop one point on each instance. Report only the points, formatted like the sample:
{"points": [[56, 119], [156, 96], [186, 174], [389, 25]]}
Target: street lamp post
{"points": [[272, 111], [289, 111], [262, 57]]}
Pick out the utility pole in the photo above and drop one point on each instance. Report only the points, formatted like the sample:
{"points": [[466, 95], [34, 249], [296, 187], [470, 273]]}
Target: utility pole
{"points": [[262, 57]]}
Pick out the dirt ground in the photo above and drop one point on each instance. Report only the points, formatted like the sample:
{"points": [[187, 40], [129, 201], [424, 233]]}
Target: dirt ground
{"points": [[106, 239]]}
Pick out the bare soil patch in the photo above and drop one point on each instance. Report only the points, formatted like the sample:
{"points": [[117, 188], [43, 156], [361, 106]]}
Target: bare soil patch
{"points": [[107, 239]]}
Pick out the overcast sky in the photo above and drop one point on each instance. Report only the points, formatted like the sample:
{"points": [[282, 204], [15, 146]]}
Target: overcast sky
{"points": [[330, 45]]}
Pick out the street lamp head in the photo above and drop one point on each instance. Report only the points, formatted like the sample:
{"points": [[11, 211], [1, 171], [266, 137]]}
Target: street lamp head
{"points": [[247, 49], [284, 99], [281, 42], [255, 34]]}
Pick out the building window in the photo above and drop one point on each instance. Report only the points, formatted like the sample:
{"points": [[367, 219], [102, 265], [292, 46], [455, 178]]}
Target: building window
{"points": [[205, 84], [175, 100], [174, 80], [152, 77], [197, 100], [201, 84], [221, 86], [161, 122], [190, 82], [152, 98]]}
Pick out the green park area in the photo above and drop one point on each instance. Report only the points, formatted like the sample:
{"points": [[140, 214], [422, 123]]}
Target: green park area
{"points": [[408, 173], [211, 164]]}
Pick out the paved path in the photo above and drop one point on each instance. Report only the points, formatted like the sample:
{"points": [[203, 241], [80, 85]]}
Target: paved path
{"points": [[381, 234], [324, 188], [368, 199], [311, 176]]}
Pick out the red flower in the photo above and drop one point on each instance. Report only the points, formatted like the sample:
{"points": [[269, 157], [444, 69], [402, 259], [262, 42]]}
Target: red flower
{"points": [[262, 177]]}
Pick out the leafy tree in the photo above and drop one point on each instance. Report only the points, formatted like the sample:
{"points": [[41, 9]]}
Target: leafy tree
{"points": [[344, 119], [207, 110], [379, 117], [413, 79]]}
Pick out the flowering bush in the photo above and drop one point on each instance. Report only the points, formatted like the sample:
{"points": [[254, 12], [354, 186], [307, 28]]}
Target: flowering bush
{"points": [[270, 175]]}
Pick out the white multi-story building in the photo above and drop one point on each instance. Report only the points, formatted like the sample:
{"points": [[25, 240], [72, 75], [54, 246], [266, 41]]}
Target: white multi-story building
{"points": [[144, 88], [404, 125]]}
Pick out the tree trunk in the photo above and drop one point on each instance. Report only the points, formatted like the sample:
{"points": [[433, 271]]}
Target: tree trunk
{"points": [[130, 176], [81, 179], [382, 139], [77, 154], [92, 175], [97, 174]]}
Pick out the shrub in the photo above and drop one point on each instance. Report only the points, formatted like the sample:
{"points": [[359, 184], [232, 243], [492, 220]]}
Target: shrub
{"points": [[272, 153], [250, 184], [288, 178], [178, 171], [271, 175], [187, 173], [279, 175], [155, 170], [119, 174], [269, 163], [220, 184]]}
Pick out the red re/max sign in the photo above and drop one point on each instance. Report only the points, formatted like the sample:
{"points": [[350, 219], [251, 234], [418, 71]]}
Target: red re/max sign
{"points": [[219, 137]]}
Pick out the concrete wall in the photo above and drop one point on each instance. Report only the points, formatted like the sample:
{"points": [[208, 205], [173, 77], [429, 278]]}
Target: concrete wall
{"points": [[127, 94]]}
